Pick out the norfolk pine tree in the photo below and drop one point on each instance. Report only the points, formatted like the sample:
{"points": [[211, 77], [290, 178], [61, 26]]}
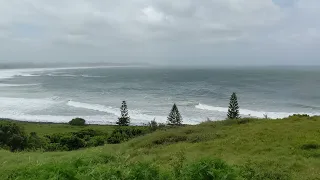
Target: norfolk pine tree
{"points": [[233, 111], [124, 120], [174, 117]]}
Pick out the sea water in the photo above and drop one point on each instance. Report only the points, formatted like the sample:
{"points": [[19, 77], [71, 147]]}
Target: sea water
{"points": [[96, 93]]}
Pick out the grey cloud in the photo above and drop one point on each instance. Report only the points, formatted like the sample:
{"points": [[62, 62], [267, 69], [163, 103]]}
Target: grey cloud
{"points": [[160, 31]]}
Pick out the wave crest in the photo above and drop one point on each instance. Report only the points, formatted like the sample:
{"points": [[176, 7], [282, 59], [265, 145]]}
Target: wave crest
{"points": [[134, 114]]}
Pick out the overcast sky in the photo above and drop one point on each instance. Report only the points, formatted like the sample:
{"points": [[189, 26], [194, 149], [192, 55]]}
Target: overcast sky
{"points": [[191, 32]]}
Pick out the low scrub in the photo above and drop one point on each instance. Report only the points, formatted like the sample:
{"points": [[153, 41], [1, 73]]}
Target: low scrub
{"points": [[75, 140], [122, 134], [310, 146]]}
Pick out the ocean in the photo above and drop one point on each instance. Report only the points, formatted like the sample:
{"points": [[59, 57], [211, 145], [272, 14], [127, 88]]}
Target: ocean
{"points": [[96, 93]]}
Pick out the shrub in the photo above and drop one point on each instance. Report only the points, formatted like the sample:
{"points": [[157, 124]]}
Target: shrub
{"points": [[76, 140], [122, 134], [244, 120], [17, 142], [89, 133], [77, 122], [56, 147], [72, 142], [36, 142], [96, 141], [310, 146], [209, 169], [153, 125], [117, 138], [12, 136], [299, 115]]}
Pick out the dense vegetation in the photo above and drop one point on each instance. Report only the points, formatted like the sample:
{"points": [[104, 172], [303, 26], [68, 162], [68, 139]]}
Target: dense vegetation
{"points": [[77, 122], [14, 137], [232, 149]]}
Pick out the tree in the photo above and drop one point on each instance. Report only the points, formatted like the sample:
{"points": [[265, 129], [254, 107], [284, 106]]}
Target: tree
{"points": [[233, 111], [153, 125], [124, 120], [174, 117], [77, 122], [12, 136]]}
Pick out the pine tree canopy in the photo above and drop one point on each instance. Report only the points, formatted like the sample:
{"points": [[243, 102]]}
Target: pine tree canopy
{"points": [[174, 117], [124, 120], [233, 111]]}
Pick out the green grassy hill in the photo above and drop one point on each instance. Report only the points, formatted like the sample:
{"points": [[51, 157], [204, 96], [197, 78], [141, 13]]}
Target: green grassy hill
{"points": [[259, 149]]}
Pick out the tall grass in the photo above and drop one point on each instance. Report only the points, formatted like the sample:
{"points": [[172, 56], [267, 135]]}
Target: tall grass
{"points": [[257, 149]]}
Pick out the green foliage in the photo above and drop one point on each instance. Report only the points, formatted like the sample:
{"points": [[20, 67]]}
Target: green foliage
{"points": [[310, 146], [12, 136], [153, 125], [77, 122], [272, 148], [124, 120], [144, 171], [233, 111], [122, 134], [72, 142], [177, 163], [96, 141], [75, 140], [300, 116], [207, 169], [36, 142], [175, 117]]}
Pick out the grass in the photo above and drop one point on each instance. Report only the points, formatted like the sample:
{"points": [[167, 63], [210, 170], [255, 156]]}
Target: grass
{"points": [[50, 128], [256, 149]]}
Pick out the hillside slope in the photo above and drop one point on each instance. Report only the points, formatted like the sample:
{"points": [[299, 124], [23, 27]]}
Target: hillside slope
{"points": [[258, 149]]}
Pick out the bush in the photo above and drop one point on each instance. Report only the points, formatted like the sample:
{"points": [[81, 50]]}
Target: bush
{"points": [[77, 122], [72, 142], [310, 146], [17, 142], [300, 115], [96, 141], [36, 142], [12, 136], [117, 138], [122, 134], [153, 125], [89, 133], [56, 147], [75, 140]]}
